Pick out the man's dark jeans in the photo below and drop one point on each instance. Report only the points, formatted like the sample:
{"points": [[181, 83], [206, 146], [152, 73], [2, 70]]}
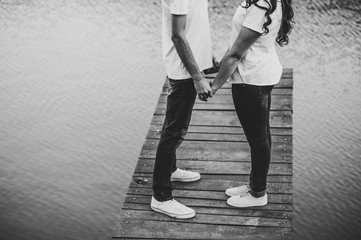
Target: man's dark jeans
{"points": [[180, 101], [252, 105]]}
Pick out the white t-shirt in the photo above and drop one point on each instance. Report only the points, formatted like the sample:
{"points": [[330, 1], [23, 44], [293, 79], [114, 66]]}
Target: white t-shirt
{"points": [[197, 33], [260, 65]]}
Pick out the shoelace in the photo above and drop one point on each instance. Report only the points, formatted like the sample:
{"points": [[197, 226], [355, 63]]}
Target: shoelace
{"points": [[244, 194], [182, 172], [176, 204]]}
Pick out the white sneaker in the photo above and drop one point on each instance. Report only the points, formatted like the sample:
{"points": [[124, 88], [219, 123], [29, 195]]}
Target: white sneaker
{"points": [[172, 208], [235, 191], [247, 200], [184, 176]]}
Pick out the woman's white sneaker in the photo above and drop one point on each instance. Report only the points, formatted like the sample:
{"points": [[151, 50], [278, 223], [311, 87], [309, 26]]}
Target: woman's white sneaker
{"points": [[235, 191], [172, 208], [247, 200], [184, 176]]}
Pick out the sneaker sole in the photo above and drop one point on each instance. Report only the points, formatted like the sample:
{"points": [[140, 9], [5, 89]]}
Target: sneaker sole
{"points": [[248, 205], [185, 179], [184, 216]]}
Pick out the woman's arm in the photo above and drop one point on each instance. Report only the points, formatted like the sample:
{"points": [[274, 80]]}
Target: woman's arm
{"points": [[244, 41]]}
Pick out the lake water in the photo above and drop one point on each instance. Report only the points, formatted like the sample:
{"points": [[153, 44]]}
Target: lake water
{"points": [[80, 79]]}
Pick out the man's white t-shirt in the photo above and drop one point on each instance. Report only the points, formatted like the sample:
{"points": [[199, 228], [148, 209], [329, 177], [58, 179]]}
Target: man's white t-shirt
{"points": [[260, 65], [196, 31]]}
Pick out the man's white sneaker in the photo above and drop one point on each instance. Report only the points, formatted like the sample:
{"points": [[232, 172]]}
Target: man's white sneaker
{"points": [[184, 176], [247, 200], [172, 208], [235, 191]]}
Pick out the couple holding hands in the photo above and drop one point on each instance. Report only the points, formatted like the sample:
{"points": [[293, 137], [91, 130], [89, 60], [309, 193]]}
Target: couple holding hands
{"points": [[252, 66]]}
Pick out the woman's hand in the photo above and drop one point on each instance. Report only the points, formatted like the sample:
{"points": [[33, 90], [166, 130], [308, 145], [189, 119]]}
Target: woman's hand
{"points": [[213, 89]]}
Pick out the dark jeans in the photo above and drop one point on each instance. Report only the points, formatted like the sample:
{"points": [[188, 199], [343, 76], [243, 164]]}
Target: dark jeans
{"points": [[180, 101], [252, 105]]}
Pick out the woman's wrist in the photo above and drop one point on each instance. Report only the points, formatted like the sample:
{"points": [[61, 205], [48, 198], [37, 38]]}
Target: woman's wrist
{"points": [[214, 89]]}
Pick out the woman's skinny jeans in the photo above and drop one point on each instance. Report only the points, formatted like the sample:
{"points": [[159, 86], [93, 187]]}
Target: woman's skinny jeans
{"points": [[252, 104]]}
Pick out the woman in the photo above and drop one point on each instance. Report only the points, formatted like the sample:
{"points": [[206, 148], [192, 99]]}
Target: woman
{"points": [[252, 66]]}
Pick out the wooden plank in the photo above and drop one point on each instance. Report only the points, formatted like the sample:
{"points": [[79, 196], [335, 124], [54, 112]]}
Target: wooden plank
{"points": [[209, 219], [286, 146], [147, 165], [229, 118], [207, 194], [219, 185], [224, 130], [134, 228], [208, 203], [279, 103], [219, 137], [215, 151], [280, 106], [241, 178], [223, 211]]}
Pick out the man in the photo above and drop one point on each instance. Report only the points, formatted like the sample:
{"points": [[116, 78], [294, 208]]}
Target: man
{"points": [[187, 51]]}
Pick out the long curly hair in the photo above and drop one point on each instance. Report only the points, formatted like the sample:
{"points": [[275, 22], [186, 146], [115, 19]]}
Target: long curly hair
{"points": [[287, 18]]}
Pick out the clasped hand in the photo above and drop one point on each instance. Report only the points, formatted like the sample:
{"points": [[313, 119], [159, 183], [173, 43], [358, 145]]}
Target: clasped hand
{"points": [[205, 90]]}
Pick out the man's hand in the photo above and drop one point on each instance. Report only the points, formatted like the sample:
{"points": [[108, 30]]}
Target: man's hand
{"points": [[203, 89]]}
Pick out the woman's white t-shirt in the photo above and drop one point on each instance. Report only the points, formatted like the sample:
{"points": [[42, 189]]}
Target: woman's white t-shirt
{"points": [[260, 65], [196, 31]]}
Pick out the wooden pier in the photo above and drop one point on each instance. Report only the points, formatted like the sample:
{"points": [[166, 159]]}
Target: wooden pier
{"points": [[216, 147]]}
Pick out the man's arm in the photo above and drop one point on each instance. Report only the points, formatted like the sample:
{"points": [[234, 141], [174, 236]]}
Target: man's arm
{"points": [[185, 53]]}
